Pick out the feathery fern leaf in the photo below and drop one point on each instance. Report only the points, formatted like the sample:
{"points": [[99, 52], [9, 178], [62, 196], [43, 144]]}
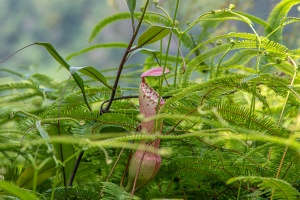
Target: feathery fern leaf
{"points": [[76, 192], [97, 46], [282, 189], [278, 13], [113, 191]]}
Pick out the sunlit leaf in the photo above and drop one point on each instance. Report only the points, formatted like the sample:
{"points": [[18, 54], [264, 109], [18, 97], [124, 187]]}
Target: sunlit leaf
{"points": [[146, 51], [64, 63], [131, 5], [92, 73], [153, 34]]}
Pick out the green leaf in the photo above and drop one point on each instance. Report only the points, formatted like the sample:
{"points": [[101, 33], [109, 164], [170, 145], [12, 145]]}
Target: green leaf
{"points": [[54, 53], [64, 153], [16, 191], [47, 170], [152, 35], [146, 51], [64, 63], [131, 5], [41, 130], [92, 73]]}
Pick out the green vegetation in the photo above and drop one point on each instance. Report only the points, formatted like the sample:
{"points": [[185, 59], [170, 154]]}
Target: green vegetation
{"points": [[209, 108]]}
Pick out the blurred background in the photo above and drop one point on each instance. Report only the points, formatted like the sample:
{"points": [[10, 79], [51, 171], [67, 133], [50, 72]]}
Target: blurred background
{"points": [[67, 26]]}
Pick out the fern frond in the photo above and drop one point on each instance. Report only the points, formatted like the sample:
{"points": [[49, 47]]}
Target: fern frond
{"points": [[295, 53], [99, 122], [18, 85], [240, 36], [289, 20], [281, 188], [113, 191], [277, 14], [266, 44], [220, 15], [12, 72], [61, 193], [46, 81], [216, 88], [4, 116], [254, 19], [103, 23], [240, 58], [247, 44], [97, 46], [152, 17], [19, 97], [239, 116]]}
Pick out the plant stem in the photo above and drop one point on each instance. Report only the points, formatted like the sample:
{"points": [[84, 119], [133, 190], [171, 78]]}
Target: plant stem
{"points": [[252, 105], [123, 61], [223, 56], [281, 115], [54, 183], [164, 11], [176, 67], [75, 168], [167, 54]]}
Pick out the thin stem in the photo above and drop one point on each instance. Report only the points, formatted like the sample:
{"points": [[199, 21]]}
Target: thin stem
{"points": [[164, 11], [111, 171], [137, 173], [281, 116], [61, 99], [16, 52], [211, 68], [176, 65], [72, 176], [167, 54], [127, 97], [252, 106], [183, 60], [252, 109], [223, 56], [288, 94], [126, 167], [196, 21], [54, 183], [123, 61], [280, 26]]}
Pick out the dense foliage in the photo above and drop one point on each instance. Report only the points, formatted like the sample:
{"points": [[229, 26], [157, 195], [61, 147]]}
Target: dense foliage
{"points": [[230, 114]]}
